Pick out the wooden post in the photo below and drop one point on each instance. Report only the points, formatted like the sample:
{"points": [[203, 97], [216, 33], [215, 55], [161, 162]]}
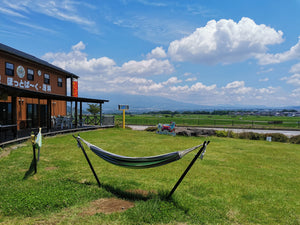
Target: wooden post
{"points": [[39, 113], [34, 154], [80, 114], [123, 118], [14, 115], [48, 114], [100, 114], [76, 114]]}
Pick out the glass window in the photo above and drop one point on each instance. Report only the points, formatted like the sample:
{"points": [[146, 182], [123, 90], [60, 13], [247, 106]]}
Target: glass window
{"points": [[5, 113], [59, 82], [33, 117], [30, 74], [46, 78], [9, 69]]}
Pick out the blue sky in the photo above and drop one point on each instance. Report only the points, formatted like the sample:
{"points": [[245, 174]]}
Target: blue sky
{"points": [[210, 53]]}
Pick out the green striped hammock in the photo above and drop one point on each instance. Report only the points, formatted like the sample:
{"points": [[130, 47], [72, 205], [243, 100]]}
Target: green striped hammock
{"points": [[140, 162]]}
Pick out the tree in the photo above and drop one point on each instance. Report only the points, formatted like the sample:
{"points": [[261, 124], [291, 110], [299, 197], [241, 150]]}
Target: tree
{"points": [[93, 109]]}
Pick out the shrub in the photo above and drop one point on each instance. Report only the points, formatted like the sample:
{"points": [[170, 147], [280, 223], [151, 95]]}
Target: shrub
{"points": [[275, 122], [151, 129], [277, 137], [117, 124], [224, 133], [231, 134], [221, 133], [295, 139], [249, 135]]}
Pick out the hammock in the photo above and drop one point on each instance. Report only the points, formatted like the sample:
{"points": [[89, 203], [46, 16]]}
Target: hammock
{"points": [[139, 162], [142, 162]]}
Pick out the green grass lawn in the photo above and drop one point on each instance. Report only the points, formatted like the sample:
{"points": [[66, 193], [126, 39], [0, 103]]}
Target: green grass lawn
{"points": [[238, 182]]}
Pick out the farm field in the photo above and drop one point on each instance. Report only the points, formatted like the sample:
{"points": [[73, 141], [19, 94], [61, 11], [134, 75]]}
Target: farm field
{"points": [[259, 122], [238, 182]]}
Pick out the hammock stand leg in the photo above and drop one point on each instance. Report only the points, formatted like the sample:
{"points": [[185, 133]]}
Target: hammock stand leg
{"points": [[188, 168], [34, 159], [88, 160]]}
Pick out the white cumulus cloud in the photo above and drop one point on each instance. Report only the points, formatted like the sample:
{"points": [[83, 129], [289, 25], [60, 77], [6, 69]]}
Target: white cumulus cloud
{"points": [[172, 80], [147, 67], [77, 61], [158, 52], [293, 53], [151, 77], [295, 68], [238, 87], [224, 41], [294, 79]]}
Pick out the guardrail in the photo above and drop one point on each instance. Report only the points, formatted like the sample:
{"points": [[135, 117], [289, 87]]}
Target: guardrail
{"points": [[96, 120]]}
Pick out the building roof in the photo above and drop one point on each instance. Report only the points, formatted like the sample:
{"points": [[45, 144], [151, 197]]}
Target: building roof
{"points": [[32, 58], [20, 92]]}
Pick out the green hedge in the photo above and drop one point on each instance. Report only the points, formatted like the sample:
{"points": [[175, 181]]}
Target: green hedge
{"points": [[295, 139], [277, 137]]}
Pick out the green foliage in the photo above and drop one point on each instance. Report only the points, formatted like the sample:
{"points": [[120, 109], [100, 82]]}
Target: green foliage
{"points": [[224, 133], [295, 139], [250, 136], [277, 137], [151, 129], [93, 109]]}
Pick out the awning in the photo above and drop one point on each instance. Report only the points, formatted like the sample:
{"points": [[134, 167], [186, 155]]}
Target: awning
{"points": [[6, 90]]}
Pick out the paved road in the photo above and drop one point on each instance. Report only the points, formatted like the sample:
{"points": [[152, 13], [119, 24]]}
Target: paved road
{"points": [[288, 133]]}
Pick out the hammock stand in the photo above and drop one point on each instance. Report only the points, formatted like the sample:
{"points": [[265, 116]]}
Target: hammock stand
{"points": [[170, 158]]}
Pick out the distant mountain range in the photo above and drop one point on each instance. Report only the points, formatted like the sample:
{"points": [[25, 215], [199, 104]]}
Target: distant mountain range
{"points": [[140, 104]]}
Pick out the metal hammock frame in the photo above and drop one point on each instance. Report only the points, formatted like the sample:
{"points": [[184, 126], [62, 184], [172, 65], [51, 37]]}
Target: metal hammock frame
{"points": [[142, 162]]}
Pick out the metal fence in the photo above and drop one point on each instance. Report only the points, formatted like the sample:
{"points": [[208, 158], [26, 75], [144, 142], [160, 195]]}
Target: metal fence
{"points": [[106, 120]]}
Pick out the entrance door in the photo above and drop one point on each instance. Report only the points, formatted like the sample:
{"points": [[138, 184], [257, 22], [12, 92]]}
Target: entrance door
{"points": [[32, 116], [5, 113]]}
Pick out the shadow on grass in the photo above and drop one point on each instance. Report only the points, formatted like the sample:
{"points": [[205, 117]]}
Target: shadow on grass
{"points": [[31, 171], [131, 195]]}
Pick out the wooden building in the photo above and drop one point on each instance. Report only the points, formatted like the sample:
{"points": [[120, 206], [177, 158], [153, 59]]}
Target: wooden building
{"points": [[32, 91]]}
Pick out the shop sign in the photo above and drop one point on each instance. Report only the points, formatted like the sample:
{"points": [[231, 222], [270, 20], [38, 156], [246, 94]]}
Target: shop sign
{"points": [[75, 88], [27, 85]]}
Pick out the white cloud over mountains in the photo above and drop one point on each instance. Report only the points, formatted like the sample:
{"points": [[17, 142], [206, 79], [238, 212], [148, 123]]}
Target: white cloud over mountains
{"points": [[138, 77], [223, 41]]}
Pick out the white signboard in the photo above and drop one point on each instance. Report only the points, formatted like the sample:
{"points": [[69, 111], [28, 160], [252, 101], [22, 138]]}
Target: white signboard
{"points": [[27, 85]]}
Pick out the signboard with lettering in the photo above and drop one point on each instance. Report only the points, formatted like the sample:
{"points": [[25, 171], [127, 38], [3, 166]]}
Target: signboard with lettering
{"points": [[123, 107], [75, 88], [27, 84]]}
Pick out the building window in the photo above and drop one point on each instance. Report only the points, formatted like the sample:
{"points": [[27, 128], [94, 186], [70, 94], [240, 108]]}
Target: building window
{"points": [[30, 74], [9, 69], [46, 78], [59, 82]]}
